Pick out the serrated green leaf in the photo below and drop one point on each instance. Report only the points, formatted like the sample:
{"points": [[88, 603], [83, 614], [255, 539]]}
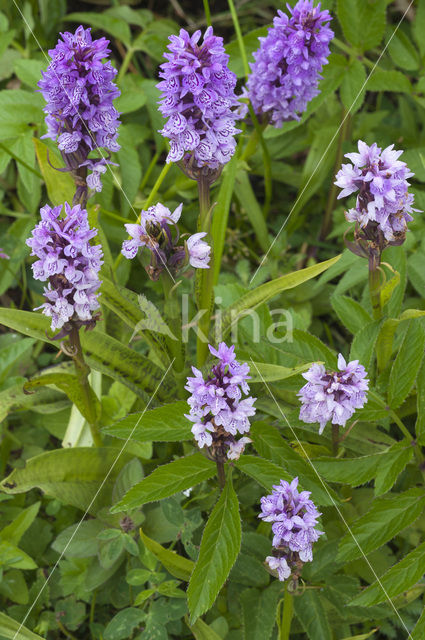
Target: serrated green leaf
{"points": [[351, 313], [363, 22], [164, 424], [175, 564], [396, 460], [406, 365], [167, 480], [123, 623], [363, 345], [401, 577], [311, 614], [389, 81], [270, 444], [402, 50], [420, 400], [264, 292], [259, 611], [219, 548], [387, 516], [353, 87], [309, 348], [263, 471]]}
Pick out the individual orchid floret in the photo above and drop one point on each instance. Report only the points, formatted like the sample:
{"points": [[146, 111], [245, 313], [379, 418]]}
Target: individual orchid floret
{"points": [[199, 102], [217, 407], [70, 265], [286, 71], [4, 255], [159, 233], [79, 91], [333, 395], [383, 204], [294, 518]]}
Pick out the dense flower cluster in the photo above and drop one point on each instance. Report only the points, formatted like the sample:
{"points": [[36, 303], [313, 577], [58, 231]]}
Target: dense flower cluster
{"points": [[381, 180], [294, 517], [198, 100], [79, 90], [155, 231], [286, 71], [333, 395], [69, 263], [216, 406]]}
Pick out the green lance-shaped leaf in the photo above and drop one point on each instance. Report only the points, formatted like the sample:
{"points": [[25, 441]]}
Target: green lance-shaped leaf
{"points": [[363, 345], [163, 424], [117, 27], [201, 630], [311, 614], [388, 515], [59, 184], [384, 343], [220, 546], [73, 476], [406, 365], [175, 564], [11, 629], [401, 577], [271, 445], [266, 473], [268, 290], [69, 384], [352, 314], [221, 213], [264, 372], [363, 23], [14, 531], [418, 632], [246, 196], [103, 353], [167, 480]]}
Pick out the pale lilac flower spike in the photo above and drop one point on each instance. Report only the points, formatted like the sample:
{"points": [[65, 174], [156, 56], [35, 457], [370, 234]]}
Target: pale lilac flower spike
{"points": [[294, 517], [380, 179], [333, 395], [216, 406]]}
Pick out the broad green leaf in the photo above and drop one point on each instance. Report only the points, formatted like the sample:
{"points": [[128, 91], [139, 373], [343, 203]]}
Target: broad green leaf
{"points": [[401, 577], [154, 39], [14, 587], [384, 342], [363, 22], [12, 353], [311, 614], [102, 352], [363, 345], [251, 44], [16, 250], [164, 424], [11, 629], [59, 184], [420, 399], [406, 365], [416, 271], [14, 531], [73, 476], [259, 611], [117, 27], [70, 385], [353, 87], [132, 98], [272, 446], [351, 313], [124, 623], [246, 196], [396, 460], [202, 631], [418, 29], [419, 630], [387, 516], [263, 471], [261, 371], [264, 292], [11, 556], [167, 480], [401, 49], [309, 348], [389, 81], [19, 109], [221, 213], [219, 548], [178, 566]]}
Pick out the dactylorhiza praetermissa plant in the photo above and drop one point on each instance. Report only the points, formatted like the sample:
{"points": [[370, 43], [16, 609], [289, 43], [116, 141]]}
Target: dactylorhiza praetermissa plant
{"points": [[79, 90], [217, 409], [199, 102], [159, 233], [383, 204], [70, 265], [287, 67], [333, 395], [294, 517]]}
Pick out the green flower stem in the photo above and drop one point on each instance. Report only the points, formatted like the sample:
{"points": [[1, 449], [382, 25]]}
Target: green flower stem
{"points": [[124, 66], [205, 277], [82, 371], [287, 615], [352, 52], [375, 282], [335, 439], [149, 170], [172, 310], [207, 13], [221, 474]]}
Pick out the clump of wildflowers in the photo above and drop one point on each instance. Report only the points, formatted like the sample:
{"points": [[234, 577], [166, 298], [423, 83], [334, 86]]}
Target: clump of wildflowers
{"points": [[217, 409], [199, 101], [294, 517], [383, 204], [287, 67], [158, 232], [333, 395], [79, 91], [70, 265]]}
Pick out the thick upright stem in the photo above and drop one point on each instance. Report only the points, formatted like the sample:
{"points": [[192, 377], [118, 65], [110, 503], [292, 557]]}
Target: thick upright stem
{"points": [[82, 371], [287, 615], [335, 439], [375, 281], [205, 277], [221, 474]]}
